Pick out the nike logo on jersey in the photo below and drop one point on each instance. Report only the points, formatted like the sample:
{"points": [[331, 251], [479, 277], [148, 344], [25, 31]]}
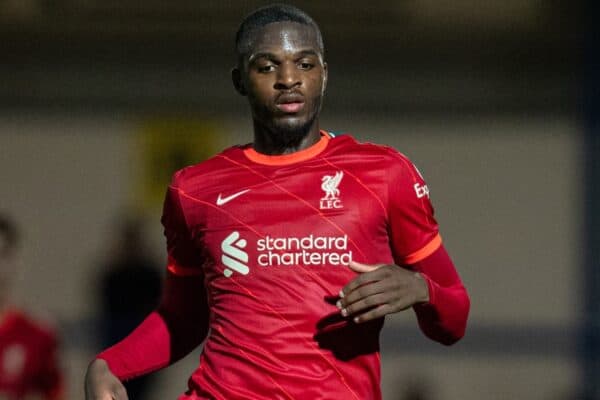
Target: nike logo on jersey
{"points": [[224, 200]]}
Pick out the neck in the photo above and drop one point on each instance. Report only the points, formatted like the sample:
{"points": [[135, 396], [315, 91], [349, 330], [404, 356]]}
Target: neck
{"points": [[269, 141]]}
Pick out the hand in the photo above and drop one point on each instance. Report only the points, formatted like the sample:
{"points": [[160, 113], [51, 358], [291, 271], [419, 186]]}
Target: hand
{"points": [[101, 384], [380, 290]]}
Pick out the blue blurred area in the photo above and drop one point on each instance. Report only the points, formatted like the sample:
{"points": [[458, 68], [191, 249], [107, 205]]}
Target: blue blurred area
{"points": [[590, 337]]}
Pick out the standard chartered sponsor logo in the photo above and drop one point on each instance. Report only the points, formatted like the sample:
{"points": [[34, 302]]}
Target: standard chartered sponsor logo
{"points": [[233, 256], [307, 250], [271, 251]]}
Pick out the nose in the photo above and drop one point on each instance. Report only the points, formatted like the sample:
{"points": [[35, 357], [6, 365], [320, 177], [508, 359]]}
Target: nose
{"points": [[288, 77]]}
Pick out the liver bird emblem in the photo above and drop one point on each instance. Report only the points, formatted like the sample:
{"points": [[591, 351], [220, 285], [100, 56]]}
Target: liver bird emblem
{"points": [[330, 185]]}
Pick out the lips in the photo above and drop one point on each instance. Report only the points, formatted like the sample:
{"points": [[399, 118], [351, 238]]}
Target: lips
{"points": [[290, 103], [290, 107]]}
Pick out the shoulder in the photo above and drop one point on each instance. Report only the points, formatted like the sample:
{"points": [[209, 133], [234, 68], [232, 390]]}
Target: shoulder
{"points": [[389, 157], [203, 171]]}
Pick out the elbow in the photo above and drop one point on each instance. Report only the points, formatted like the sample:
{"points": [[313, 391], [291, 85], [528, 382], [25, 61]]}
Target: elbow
{"points": [[458, 325], [449, 327], [446, 337], [451, 338]]}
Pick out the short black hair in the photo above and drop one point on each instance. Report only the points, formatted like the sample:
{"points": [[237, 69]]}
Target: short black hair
{"points": [[8, 229], [268, 15]]}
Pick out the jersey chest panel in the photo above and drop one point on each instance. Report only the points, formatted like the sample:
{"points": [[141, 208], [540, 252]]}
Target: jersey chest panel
{"points": [[308, 220]]}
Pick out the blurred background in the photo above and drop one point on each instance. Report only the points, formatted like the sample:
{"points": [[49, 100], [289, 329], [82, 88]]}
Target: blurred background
{"points": [[101, 100]]}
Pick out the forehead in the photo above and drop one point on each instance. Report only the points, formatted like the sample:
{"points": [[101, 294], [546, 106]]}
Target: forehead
{"points": [[284, 37]]}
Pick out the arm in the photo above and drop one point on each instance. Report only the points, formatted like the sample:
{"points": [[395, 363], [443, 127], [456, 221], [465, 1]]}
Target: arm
{"points": [[443, 317], [431, 286], [179, 325], [427, 280]]}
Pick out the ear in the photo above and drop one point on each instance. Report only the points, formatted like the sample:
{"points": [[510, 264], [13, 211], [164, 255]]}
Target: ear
{"points": [[236, 78]]}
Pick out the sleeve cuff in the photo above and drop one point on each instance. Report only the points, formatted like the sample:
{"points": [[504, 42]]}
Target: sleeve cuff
{"points": [[431, 287]]}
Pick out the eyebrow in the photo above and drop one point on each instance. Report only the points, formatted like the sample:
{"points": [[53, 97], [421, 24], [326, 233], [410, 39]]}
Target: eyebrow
{"points": [[256, 56], [271, 56]]}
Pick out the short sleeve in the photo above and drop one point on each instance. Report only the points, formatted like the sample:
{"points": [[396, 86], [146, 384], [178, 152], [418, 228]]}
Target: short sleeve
{"points": [[414, 233], [184, 258]]}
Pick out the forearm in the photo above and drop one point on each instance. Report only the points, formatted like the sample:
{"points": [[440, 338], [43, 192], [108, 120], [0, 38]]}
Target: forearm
{"points": [[165, 336], [444, 317], [146, 349]]}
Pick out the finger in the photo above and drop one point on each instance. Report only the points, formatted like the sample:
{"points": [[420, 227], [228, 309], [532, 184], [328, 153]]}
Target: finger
{"points": [[389, 307], [363, 291], [367, 277], [364, 304], [361, 268], [372, 314]]}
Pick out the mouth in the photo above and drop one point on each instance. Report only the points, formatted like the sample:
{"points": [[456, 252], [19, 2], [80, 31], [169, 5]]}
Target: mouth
{"points": [[290, 108], [290, 103]]}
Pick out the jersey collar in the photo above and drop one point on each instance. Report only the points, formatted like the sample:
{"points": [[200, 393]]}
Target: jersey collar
{"points": [[286, 159]]}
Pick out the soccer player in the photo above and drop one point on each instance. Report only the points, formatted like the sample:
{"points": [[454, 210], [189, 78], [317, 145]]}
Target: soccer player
{"points": [[285, 254], [28, 349]]}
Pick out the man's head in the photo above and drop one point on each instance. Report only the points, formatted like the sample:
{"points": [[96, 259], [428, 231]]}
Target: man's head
{"points": [[281, 69], [263, 16]]}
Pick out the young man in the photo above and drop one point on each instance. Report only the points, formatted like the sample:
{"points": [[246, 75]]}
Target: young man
{"points": [[28, 349], [286, 254]]}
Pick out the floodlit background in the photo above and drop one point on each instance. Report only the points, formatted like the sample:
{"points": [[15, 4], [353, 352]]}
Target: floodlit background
{"points": [[100, 100]]}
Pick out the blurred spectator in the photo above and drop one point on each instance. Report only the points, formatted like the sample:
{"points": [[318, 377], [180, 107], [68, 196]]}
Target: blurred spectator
{"points": [[415, 392], [415, 388], [130, 287], [28, 348]]}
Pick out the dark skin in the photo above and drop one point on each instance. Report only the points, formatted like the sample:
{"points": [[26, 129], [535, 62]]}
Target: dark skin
{"points": [[283, 75], [380, 290]]}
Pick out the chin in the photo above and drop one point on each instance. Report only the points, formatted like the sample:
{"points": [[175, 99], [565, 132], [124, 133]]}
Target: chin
{"points": [[290, 133]]}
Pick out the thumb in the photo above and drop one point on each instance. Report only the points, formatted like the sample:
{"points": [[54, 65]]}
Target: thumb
{"points": [[361, 268]]}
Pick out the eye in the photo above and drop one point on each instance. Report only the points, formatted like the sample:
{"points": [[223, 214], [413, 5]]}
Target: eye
{"points": [[263, 69], [305, 65]]}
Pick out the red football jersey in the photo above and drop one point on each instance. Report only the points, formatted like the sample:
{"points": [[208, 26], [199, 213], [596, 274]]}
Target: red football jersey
{"points": [[272, 237], [28, 362]]}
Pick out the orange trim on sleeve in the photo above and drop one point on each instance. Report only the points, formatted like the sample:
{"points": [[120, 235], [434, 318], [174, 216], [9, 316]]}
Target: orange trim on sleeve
{"points": [[291, 158], [425, 251], [182, 271]]}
